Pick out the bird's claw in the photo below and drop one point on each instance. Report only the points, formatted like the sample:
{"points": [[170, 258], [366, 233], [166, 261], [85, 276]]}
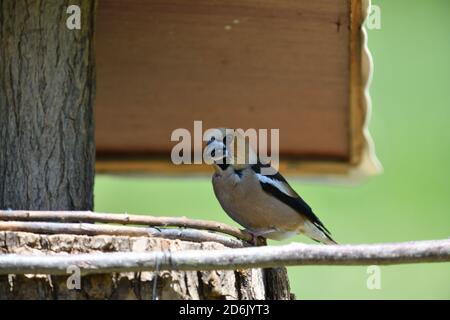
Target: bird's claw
{"points": [[257, 238]]}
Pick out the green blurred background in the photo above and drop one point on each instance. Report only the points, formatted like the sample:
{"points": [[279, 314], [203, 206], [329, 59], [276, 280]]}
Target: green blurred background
{"points": [[409, 201]]}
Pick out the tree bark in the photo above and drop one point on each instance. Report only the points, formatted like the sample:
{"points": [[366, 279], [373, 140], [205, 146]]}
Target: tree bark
{"points": [[187, 285], [47, 86]]}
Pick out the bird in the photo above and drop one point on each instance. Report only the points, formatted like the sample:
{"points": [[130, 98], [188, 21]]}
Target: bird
{"points": [[264, 204]]}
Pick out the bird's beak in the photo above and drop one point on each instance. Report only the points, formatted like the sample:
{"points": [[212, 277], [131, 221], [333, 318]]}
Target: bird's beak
{"points": [[214, 150]]}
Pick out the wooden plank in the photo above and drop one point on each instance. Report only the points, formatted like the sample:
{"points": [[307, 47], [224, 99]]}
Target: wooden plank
{"points": [[357, 112], [260, 64]]}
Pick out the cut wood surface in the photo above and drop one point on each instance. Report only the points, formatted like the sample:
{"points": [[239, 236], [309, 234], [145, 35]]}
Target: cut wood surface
{"points": [[230, 284], [89, 216]]}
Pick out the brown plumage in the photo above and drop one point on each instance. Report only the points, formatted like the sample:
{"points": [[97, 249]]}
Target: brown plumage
{"points": [[266, 205]]}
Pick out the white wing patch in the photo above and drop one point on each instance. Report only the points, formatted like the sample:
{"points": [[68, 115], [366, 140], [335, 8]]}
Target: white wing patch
{"points": [[280, 185]]}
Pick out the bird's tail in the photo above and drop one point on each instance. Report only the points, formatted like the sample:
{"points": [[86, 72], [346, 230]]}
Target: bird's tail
{"points": [[317, 233]]}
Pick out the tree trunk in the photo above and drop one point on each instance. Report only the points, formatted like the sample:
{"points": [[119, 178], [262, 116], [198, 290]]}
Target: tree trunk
{"points": [[186, 285], [47, 156], [47, 86]]}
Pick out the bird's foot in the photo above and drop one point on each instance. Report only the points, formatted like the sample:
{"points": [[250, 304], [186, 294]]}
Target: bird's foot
{"points": [[258, 238]]}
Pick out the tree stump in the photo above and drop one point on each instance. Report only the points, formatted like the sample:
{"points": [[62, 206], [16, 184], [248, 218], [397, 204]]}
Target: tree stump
{"points": [[250, 284]]}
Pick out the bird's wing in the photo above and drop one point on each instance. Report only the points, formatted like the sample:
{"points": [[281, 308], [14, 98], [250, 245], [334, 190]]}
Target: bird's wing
{"points": [[277, 186]]}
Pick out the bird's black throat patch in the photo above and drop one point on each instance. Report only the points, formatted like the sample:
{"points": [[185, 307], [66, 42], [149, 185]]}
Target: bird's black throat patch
{"points": [[223, 166], [238, 172]]}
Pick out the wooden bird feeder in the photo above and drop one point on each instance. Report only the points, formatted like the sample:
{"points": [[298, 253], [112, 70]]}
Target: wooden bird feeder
{"points": [[298, 66]]}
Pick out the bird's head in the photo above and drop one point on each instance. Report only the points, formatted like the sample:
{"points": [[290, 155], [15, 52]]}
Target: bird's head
{"points": [[228, 147]]}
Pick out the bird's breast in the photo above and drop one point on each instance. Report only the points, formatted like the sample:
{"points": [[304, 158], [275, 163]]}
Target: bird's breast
{"points": [[243, 199]]}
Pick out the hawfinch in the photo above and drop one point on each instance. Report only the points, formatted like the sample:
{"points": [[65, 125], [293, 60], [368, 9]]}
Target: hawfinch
{"points": [[266, 205]]}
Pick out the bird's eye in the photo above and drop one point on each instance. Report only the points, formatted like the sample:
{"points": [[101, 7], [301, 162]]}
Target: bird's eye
{"points": [[210, 141]]}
